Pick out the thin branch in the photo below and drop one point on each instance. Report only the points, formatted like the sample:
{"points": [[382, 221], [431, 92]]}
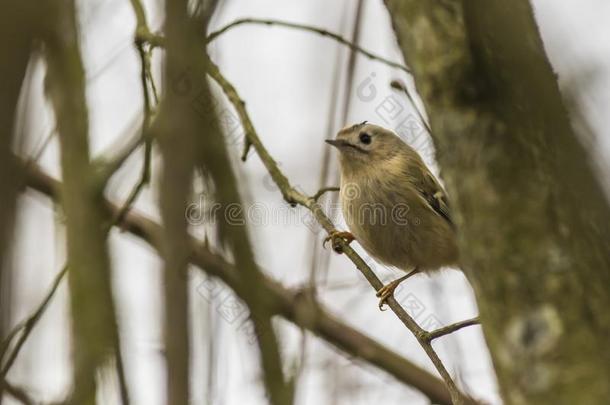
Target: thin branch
{"points": [[261, 21], [291, 305], [16, 392], [27, 325], [146, 78], [323, 191], [143, 33], [110, 162], [451, 328], [110, 165], [398, 85], [43, 146], [293, 197], [276, 174]]}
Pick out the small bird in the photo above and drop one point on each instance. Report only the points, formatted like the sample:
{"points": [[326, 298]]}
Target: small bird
{"points": [[393, 205]]}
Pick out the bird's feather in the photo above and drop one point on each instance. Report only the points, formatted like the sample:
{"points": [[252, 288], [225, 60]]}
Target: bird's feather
{"points": [[432, 192]]}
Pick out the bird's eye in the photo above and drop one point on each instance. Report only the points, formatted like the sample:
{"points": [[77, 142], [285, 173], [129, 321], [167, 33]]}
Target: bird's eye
{"points": [[365, 138]]}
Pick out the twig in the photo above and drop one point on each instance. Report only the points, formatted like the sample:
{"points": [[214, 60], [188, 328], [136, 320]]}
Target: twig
{"points": [[145, 78], [45, 143], [109, 161], [27, 325], [451, 328], [262, 21], [110, 165], [17, 393], [293, 197], [143, 33], [398, 85], [323, 191], [288, 304]]}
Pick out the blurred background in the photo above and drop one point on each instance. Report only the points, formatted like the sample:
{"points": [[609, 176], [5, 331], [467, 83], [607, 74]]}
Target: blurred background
{"points": [[300, 88]]}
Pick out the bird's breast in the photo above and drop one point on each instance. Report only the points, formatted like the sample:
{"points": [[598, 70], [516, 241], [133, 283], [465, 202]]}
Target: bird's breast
{"points": [[394, 225]]}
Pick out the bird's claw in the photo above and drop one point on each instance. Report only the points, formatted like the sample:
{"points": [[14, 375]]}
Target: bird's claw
{"points": [[387, 290], [384, 293], [335, 236]]}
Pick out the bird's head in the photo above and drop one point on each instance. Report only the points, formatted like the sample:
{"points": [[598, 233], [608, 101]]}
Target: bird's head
{"points": [[365, 145]]}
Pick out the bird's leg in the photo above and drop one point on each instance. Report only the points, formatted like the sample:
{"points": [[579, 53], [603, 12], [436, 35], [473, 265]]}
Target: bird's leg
{"points": [[387, 290], [334, 236]]}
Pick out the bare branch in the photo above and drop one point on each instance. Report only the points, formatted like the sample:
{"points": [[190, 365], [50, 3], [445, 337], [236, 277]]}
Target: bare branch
{"points": [[156, 40], [17, 393], [177, 139], [323, 191], [146, 77], [93, 318], [451, 328], [26, 326], [399, 85], [18, 22], [109, 162], [293, 197], [269, 22], [291, 305]]}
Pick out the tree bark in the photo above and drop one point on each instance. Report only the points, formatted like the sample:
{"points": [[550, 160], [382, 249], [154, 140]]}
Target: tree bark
{"points": [[533, 220]]}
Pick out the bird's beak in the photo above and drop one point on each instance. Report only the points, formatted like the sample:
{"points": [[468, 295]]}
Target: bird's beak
{"points": [[337, 143]]}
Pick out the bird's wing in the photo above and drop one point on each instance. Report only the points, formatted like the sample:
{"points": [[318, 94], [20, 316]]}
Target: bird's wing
{"points": [[433, 193]]}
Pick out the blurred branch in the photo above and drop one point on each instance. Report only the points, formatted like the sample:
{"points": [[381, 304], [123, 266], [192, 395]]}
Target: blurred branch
{"points": [[16, 392], [110, 161], [26, 326], [43, 146], [215, 165], [451, 328], [146, 77], [177, 139], [294, 197], [269, 22], [183, 49], [93, 318], [399, 85], [143, 33], [18, 23], [291, 305]]}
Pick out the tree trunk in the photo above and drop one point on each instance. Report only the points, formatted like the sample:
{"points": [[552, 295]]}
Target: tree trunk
{"points": [[17, 25], [533, 220]]}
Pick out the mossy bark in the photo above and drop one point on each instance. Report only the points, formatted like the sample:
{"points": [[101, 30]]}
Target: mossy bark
{"points": [[533, 220]]}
